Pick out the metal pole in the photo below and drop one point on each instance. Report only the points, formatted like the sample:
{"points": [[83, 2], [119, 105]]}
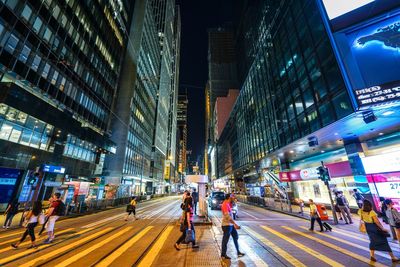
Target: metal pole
{"points": [[141, 175], [335, 219]]}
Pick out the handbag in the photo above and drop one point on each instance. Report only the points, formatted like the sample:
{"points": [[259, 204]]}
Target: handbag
{"points": [[189, 236], [42, 218], [129, 208], [362, 227], [383, 233], [182, 227]]}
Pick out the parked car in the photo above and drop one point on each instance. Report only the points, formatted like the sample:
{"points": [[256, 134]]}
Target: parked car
{"points": [[215, 200]]}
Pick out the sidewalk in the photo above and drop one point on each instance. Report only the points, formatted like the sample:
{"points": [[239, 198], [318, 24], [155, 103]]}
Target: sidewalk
{"points": [[206, 255]]}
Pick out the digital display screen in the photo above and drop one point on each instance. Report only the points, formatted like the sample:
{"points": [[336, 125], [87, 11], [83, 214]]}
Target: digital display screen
{"points": [[336, 8]]}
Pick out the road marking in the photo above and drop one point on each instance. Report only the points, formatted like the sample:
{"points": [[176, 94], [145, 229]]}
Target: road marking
{"points": [[158, 211], [306, 249], [257, 261], [116, 254], [156, 248], [294, 219], [254, 217], [292, 260], [27, 241], [12, 234], [332, 246], [92, 248], [104, 220], [65, 248], [347, 242], [41, 247]]}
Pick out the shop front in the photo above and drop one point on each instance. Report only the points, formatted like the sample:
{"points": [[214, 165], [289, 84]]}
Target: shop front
{"points": [[306, 184], [10, 180], [383, 175]]}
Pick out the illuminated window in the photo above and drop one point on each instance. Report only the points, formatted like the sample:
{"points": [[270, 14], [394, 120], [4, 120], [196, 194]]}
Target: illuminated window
{"points": [[26, 13]]}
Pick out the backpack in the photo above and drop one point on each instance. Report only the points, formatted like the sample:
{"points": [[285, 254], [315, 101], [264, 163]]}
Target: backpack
{"points": [[340, 201], [60, 210]]}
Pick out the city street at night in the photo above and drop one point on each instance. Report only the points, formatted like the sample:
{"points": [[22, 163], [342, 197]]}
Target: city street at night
{"points": [[194, 133]]}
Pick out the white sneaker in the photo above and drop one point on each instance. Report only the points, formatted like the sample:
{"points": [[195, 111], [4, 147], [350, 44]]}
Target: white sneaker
{"points": [[4, 227], [8, 227]]}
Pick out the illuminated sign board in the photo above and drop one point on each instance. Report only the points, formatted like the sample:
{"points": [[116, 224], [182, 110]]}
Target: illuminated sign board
{"points": [[377, 95], [53, 169], [389, 162], [337, 8]]}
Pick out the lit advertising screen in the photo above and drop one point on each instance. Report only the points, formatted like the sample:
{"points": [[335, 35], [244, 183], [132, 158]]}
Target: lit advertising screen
{"points": [[371, 57], [337, 8], [387, 185]]}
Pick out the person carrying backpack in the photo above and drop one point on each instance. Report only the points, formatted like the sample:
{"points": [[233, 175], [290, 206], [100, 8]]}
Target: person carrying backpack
{"points": [[11, 211], [57, 209], [131, 208], [31, 220], [343, 205]]}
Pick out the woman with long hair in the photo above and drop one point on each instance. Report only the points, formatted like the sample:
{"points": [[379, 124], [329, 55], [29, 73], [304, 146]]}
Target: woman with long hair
{"points": [[32, 220], [376, 233]]}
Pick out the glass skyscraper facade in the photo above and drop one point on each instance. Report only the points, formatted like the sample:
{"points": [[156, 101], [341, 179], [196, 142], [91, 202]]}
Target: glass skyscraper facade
{"points": [[60, 65], [293, 86]]}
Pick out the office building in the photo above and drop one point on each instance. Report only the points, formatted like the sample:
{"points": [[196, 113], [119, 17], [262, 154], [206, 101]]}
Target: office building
{"points": [[60, 66], [182, 133]]}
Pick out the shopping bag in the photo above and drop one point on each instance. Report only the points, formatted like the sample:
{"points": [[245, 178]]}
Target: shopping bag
{"points": [[189, 236]]}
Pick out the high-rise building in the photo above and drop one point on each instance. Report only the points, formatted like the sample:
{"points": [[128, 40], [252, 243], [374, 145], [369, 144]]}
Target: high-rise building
{"points": [[60, 66], [314, 90], [182, 130], [142, 105]]}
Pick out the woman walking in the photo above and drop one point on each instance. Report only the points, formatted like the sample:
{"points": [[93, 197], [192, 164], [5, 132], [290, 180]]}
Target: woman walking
{"points": [[376, 233], [187, 222], [131, 208], [393, 217], [32, 220], [11, 211]]}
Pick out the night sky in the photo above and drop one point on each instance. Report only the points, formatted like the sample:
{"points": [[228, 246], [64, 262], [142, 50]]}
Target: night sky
{"points": [[197, 17]]}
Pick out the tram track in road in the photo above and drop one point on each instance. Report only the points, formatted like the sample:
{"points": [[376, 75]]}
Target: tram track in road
{"points": [[98, 263], [74, 236]]}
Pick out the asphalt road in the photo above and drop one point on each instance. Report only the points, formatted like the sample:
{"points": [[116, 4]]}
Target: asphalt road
{"points": [[274, 239], [268, 239]]}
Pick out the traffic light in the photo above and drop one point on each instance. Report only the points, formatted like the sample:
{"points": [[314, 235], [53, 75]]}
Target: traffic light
{"points": [[323, 174], [33, 179]]}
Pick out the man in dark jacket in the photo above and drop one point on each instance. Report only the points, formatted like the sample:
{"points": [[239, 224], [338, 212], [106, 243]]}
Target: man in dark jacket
{"points": [[195, 197]]}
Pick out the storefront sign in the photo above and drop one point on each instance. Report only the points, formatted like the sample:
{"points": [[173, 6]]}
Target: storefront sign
{"points": [[309, 174], [53, 169], [387, 185], [389, 162], [7, 181], [377, 95], [52, 184], [336, 170]]}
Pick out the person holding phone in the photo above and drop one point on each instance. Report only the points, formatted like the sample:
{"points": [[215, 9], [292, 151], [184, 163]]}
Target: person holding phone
{"points": [[229, 228]]}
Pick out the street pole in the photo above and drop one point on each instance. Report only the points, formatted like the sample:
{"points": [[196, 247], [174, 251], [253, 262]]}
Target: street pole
{"points": [[141, 175], [335, 219]]}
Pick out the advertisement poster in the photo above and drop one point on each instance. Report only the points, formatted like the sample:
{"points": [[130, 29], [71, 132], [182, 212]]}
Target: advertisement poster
{"points": [[9, 179], [385, 185]]}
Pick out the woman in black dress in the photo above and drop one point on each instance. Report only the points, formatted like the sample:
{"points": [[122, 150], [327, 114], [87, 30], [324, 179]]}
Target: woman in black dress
{"points": [[376, 232]]}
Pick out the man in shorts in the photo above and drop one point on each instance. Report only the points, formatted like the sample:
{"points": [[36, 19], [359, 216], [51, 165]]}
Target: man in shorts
{"points": [[52, 217]]}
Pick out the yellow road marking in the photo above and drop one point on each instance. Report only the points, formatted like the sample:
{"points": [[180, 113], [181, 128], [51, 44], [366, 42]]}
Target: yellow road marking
{"points": [[347, 243], [41, 247], [332, 246], [110, 259], [155, 250], [64, 248], [83, 253], [292, 260], [27, 241], [12, 234], [306, 249]]}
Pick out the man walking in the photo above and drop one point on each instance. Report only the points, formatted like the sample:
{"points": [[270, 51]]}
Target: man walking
{"points": [[195, 197], [359, 198], [53, 213], [229, 227], [343, 205]]}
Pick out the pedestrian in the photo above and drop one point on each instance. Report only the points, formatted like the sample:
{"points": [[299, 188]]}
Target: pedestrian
{"points": [[11, 211], [385, 219], [376, 233], [229, 228], [187, 220], [195, 196], [359, 198], [314, 215], [343, 205], [56, 209], [337, 210], [31, 220], [393, 217], [301, 205], [131, 208]]}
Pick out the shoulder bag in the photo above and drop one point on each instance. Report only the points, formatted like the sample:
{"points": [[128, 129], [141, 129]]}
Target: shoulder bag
{"points": [[362, 227]]}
